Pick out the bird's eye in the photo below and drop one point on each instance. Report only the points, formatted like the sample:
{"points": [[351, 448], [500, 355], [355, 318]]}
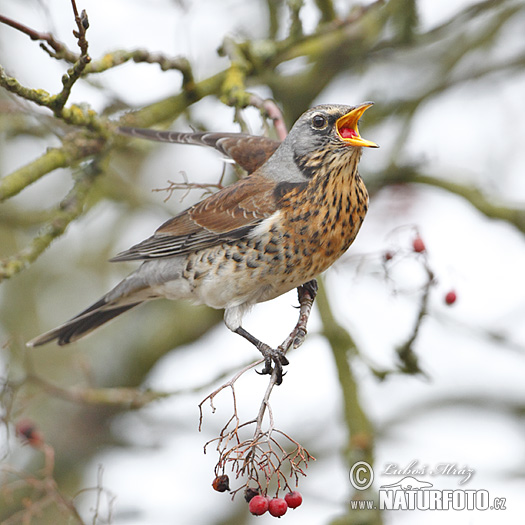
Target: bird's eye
{"points": [[319, 122]]}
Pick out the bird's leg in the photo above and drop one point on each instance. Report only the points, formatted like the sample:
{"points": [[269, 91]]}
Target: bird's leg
{"points": [[276, 357], [270, 355], [306, 294]]}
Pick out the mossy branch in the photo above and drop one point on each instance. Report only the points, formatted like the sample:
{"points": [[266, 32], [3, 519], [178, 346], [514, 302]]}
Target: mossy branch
{"points": [[119, 57], [169, 108], [12, 184], [76, 146], [343, 348], [73, 74], [54, 102], [233, 89], [327, 10], [74, 115], [70, 208], [360, 445], [122, 398]]}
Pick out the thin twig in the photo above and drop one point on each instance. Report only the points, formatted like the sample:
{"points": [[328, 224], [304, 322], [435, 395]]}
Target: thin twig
{"points": [[46, 492], [73, 74], [188, 186], [273, 112], [230, 383], [60, 50], [405, 351], [82, 25]]}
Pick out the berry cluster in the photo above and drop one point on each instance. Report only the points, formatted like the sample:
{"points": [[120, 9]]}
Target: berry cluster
{"points": [[418, 246], [277, 507], [260, 504]]}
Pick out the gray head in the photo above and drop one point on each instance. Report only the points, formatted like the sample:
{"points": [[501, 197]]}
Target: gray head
{"points": [[320, 134]]}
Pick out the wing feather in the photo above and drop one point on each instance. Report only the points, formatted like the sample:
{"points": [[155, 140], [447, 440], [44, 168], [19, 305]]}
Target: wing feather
{"points": [[225, 216]]}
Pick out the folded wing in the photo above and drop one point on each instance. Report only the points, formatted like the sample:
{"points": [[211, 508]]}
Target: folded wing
{"points": [[225, 216]]}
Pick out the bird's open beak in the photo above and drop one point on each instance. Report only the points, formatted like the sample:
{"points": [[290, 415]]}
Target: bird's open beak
{"points": [[347, 127]]}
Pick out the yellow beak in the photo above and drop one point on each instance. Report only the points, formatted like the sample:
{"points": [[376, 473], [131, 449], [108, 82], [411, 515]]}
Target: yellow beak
{"points": [[347, 127]]}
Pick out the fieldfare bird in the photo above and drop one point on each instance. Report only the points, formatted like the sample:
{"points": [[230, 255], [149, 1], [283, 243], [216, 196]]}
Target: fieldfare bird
{"points": [[293, 216]]}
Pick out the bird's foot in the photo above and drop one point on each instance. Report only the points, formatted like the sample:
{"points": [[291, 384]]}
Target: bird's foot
{"points": [[274, 360]]}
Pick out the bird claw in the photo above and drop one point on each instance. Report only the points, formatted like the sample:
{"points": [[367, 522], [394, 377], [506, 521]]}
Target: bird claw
{"points": [[273, 360]]}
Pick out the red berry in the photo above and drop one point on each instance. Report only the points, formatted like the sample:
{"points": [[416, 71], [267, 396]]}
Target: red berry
{"points": [[418, 245], [451, 297], [388, 256], [258, 505], [27, 431], [221, 483], [293, 499], [277, 507]]}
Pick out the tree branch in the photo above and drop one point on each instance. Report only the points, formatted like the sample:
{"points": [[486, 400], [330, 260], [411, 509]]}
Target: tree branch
{"points": [[343, 347], [14, 183], [360, 445], [74, 115], [60, 50], [68, 210], [119, 57]]}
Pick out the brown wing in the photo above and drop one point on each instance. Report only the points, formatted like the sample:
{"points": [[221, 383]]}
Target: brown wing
{"points": [[248, 151], [225, 216]]}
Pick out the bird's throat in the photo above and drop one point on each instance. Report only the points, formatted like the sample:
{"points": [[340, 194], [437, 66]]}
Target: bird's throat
{"points": [[326, 214]]}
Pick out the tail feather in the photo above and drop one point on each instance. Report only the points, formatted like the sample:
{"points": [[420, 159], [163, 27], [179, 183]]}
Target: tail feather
{"points": [[135, 289], [248, 151], [96, 315]]}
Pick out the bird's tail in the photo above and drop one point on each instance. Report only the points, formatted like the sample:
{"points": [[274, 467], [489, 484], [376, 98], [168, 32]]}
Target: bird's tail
{"points": [[136, 288], [248, 151], [130, 292], [85, 322]]}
